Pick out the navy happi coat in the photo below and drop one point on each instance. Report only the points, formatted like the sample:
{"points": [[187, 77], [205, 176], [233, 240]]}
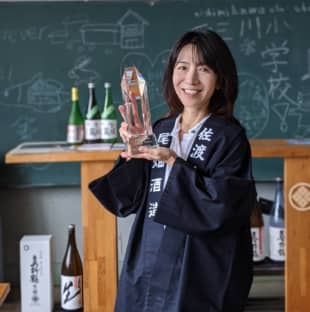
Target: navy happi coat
{"points": [[190, 246]]}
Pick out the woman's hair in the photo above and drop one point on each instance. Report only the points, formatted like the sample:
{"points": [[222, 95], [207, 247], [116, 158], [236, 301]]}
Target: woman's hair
{"points": [[214, 52]]}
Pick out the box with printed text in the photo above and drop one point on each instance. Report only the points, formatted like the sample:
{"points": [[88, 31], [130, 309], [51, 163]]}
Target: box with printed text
{"points": [[36, 276]]}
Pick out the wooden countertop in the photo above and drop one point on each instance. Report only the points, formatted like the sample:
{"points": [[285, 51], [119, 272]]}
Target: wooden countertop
{"points": [[270, 148], [267, 148], [64, 156]]}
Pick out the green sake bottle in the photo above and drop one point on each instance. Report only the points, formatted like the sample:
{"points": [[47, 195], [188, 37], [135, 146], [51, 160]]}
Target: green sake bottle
{"points": [[75, 128], [92, 119], [108, 117]]}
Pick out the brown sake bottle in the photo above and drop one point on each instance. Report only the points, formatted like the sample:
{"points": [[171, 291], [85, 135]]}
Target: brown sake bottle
{"points": [[257, 233], [71, 276]]}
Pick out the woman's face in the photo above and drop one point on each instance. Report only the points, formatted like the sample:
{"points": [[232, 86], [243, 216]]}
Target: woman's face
{"points": [[194, 82]]}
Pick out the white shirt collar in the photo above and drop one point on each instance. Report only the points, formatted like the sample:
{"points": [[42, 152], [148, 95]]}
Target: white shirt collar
{"points": [[177, 125]]}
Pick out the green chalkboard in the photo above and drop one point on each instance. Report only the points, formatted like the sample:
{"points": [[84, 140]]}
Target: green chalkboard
{"points": [[46, 47]]}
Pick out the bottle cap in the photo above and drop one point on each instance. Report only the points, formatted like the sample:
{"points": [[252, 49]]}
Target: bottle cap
{"points": [[107, 84], [74, 93], [279, 179], [71, 226], [91, 85]]}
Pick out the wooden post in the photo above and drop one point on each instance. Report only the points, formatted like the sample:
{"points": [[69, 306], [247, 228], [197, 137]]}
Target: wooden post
{"points": [[99, 241], [297, 220], [4, 291]]}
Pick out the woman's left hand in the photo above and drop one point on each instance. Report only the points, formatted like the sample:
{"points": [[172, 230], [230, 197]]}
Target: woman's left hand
{"points": [[155, 153]]}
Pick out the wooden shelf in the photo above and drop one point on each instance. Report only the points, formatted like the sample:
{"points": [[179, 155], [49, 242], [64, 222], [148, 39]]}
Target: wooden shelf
{"points": [[265, 304], [269, 267]]}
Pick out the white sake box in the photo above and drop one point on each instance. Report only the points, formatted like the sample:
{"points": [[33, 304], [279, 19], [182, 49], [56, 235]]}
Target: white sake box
{"points": [[36, 278]]}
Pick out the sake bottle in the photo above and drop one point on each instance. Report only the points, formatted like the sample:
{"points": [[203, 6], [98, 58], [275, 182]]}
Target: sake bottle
{"points": [[75, 128], [108, 117], [257, 233], [276, 225], [92, 119], [71, 276]]}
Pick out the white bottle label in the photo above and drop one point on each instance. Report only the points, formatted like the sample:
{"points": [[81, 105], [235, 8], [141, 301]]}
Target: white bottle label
{"points": [[92, 129], [257, 243], [108, 129], [75, 134], [277, 243], [71, 292]]}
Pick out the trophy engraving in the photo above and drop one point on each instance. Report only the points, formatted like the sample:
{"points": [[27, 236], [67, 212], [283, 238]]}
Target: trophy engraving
{"points": [[137, 110]]}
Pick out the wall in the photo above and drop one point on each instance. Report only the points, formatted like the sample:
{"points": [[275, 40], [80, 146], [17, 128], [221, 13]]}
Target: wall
{"points": [[38, 211]]}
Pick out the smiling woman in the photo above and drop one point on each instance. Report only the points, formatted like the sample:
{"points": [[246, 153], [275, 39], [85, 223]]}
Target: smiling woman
{"points": [[194, 83], [192, 195]]}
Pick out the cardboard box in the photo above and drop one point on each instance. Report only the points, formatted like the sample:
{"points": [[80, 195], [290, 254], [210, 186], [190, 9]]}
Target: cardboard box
{"points": [[36, 278]]}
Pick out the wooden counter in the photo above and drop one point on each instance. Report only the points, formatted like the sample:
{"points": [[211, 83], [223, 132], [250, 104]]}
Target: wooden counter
{"points": [[99, 226]]}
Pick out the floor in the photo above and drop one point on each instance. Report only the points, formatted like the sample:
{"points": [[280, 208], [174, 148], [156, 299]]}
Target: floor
{"points": [[258, 305], [12, 302]]}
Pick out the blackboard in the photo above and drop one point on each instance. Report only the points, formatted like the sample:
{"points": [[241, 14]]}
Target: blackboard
{"points": [[46, 47]]}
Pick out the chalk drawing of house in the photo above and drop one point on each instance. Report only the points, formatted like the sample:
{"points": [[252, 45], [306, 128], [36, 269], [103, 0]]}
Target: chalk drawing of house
{"points": [[132, 30], [72, 27], [100, 34], [45, 95]]}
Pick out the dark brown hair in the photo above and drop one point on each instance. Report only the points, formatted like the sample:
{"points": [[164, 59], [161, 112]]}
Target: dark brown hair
{"points": [[215, 54]]}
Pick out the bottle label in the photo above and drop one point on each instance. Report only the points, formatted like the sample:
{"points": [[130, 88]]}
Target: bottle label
{"points": [[277, 243], [108, 111], [92, 129], [257, 243], [108, 129], [75, 134], [92, 112], [71, 292]]}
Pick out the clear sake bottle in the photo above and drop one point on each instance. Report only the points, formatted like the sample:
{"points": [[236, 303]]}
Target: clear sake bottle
{"points": [[108, 117], [71, 276], [257, 233], [75, 128], [276, 225], [92, 119]]}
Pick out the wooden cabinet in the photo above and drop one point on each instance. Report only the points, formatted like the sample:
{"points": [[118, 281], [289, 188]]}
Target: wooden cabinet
{"points": [[99, 226]]}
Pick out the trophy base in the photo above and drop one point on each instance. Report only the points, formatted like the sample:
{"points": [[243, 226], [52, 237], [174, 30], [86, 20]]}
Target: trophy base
{"points": [[140, 140]]}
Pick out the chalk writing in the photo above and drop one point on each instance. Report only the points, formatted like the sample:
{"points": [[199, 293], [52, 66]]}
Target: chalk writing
{"points": [[239, 10], [302, 7], [222, 28], [306, 76], [302, 111], [275, 57]]}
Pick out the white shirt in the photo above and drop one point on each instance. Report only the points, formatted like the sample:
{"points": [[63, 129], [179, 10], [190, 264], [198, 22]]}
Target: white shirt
{"points": [[183, 147]]}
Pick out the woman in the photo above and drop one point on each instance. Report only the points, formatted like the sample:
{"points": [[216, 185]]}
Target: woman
{"points": [[190, 246]]}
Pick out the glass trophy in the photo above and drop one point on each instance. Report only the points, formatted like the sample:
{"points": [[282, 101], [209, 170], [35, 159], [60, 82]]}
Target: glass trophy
{"points": [[137, 110]]}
